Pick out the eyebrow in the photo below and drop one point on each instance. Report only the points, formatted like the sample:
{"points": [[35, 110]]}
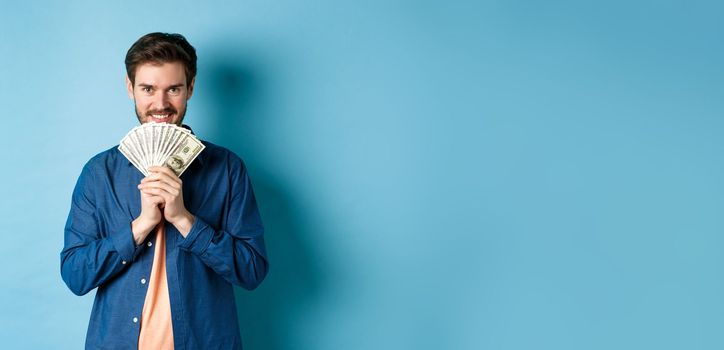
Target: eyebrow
{"points": [[151, 86]]}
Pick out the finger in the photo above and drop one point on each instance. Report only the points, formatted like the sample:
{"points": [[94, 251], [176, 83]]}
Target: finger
{"points": [[152, 176], [161, 169], [175, 183], [171, 189], [167, 196], [149, 196], [165, 170], [164, 177], [153, 199], [159, 177], [159, 192], [160, 200]]}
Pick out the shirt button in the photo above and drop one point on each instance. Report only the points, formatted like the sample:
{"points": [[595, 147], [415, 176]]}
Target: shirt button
{"points": [[150, 244], [135, 320], [123, 262], [143, 281]]}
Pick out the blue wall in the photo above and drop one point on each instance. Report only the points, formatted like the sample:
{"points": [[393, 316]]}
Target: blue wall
{"points": [[432, 175]]}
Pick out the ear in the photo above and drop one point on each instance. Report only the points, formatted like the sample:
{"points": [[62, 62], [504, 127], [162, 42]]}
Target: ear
{"points": [[191, 88], [129, 87]]}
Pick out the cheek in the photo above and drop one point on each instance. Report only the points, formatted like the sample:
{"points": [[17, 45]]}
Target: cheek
{"points": [[180, 105], [142, 102]]}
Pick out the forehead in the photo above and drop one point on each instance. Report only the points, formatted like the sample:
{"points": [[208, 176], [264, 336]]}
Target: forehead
{"points": [[161, 74]]}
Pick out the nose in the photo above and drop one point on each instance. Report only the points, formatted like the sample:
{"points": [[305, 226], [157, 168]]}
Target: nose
{"points": [[160, 101]]}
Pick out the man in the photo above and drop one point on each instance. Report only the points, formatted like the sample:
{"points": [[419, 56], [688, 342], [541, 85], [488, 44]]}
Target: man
{"points": [[163, 253]]}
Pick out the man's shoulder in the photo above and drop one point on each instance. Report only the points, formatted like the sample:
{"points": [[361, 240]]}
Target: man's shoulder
{"points": [[105, 157], [215, 153]]}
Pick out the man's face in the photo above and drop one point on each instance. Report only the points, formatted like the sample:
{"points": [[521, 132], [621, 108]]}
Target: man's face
{"points": [[160, 92]]}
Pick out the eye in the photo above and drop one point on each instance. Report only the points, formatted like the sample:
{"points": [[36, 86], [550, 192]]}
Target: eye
{"points": [[146, 89], [174, 91]]}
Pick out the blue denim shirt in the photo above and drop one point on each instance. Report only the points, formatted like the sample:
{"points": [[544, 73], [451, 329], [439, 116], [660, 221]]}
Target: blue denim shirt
{"points": [[225, 246]]}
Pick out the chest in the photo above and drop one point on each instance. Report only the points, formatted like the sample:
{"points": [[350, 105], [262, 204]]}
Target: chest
{"points": [[118, 200]]}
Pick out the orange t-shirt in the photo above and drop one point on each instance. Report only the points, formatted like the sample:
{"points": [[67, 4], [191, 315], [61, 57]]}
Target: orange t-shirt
{"points": [[156, 329]]}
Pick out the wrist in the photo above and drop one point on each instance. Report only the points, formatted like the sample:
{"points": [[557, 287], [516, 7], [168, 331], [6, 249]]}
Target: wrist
{"points": [[140, 228], [183, 223]]}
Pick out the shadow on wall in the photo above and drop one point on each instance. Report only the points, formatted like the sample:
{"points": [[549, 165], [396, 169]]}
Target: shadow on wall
{"points": [[239, 94]]}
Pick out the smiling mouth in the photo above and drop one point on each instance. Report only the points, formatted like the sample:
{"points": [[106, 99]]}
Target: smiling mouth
{"points": [[163, 117]]}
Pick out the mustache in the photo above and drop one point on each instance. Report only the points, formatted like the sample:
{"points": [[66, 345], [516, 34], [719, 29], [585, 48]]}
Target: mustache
{"points": [[169, 110]]}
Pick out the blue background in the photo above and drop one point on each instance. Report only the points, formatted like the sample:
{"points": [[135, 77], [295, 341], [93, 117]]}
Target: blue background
{"points": [[432, 175]]}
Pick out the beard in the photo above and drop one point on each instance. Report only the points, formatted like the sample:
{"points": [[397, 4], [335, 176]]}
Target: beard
{"points": [[146, 117]]}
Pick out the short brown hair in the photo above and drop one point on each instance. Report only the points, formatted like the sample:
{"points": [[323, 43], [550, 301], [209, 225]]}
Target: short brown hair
{"points": [[160, 48]]}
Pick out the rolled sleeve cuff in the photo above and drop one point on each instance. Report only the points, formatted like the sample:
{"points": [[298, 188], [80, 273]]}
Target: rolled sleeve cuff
{"points": [[199, 237], [124, 243]]}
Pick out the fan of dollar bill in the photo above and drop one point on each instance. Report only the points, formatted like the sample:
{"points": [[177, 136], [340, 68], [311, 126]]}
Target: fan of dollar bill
{"points": [[160, 144]]}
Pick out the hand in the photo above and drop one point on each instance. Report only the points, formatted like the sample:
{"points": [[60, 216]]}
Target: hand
{"points": [[150, 216], [162, 182]]}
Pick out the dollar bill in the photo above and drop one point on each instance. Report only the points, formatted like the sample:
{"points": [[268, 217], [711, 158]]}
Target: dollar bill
{"points": [[131, 157], [160, 144], [184, 154]]}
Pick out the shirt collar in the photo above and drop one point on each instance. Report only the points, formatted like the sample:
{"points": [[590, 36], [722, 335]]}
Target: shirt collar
{"points": [[199, 158]]}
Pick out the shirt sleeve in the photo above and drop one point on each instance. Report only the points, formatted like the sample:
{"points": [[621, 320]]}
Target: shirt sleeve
{"points": [[237, 251], [88, 258]]}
